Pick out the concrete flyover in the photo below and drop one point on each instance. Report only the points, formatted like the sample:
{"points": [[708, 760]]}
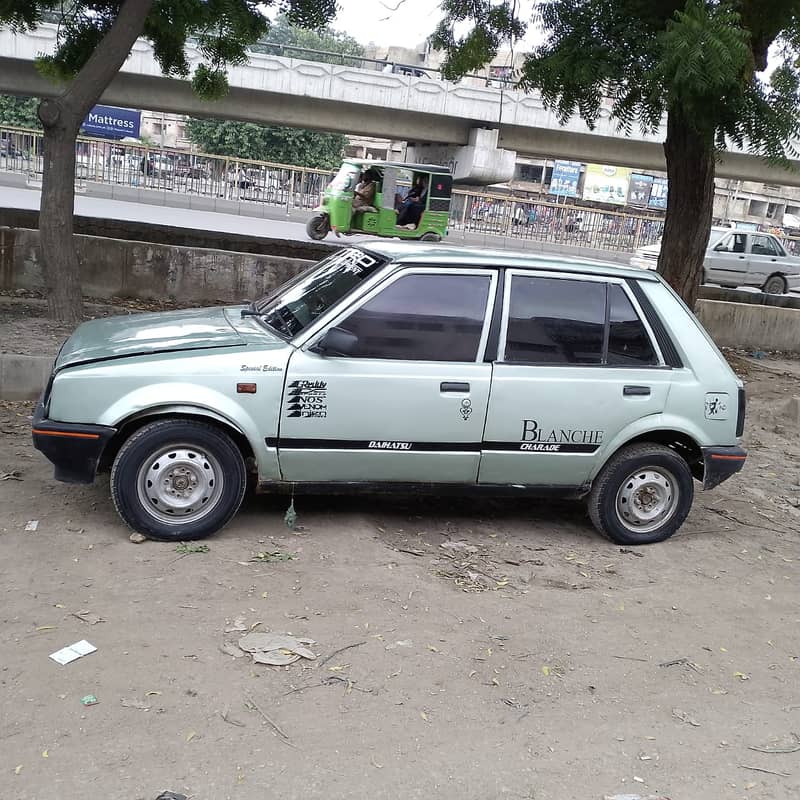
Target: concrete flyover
{"points": [[287, 91]]}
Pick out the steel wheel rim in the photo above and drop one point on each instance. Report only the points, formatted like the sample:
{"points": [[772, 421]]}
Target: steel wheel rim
{"points": [[774, 286], [647, 499], [179, 483]]}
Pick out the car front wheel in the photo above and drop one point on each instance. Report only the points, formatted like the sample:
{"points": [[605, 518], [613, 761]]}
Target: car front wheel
{"points": [[318, 227], [177, 480], [642, 495]]}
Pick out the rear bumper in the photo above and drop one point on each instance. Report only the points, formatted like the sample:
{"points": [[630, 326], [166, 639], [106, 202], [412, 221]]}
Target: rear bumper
{"points": [[720, 463], [73, 449], [792, 282]]}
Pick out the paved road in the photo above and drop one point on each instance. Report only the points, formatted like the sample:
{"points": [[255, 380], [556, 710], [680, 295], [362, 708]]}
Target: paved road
{"points": [[253, 220]]}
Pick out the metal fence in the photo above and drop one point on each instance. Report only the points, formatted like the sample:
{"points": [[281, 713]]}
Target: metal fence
{"points": [[171, 171], [160, 169]]}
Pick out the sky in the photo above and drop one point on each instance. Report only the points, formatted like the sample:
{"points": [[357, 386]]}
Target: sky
{"points": [[377, 21]]}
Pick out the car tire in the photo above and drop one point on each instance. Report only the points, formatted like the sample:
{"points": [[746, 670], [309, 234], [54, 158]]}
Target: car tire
{"points": [[177, 480], [642, 495], [318, 227], [775, 284], [430, 237]]}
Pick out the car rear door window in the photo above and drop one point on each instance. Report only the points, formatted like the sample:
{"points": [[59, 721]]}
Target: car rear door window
{"points": [[556, 321], [423, 317], [763, 246], [575, 322], [628, 342]]}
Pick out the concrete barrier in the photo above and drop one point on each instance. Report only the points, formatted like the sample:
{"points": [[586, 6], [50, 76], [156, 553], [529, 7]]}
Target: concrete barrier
{"points": [[23, 377], [147, 270], [753, 327]]}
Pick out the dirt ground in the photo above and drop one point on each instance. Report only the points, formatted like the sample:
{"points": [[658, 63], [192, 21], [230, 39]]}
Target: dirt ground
{"points": [[495, 649]]}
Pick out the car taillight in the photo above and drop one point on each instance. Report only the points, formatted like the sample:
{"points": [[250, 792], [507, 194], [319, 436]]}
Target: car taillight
{"points": [[741, 413]]}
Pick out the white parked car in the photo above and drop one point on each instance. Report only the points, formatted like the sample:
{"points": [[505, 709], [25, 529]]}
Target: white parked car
{"points": [[737, 257]]}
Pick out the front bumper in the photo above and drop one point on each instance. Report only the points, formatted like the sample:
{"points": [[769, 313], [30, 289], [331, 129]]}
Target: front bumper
{"points": [[720, 463], [73, 449]]}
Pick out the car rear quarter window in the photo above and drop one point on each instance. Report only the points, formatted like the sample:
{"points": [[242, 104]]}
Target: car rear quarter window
{"points": [[556, 321], [628, 342], [430, 317]]}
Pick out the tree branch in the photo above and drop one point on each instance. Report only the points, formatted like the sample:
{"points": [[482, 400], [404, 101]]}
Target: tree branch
{"points": [[104, 63]]}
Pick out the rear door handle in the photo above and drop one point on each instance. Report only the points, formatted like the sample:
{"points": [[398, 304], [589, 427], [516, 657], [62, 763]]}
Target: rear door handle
{"points": [[636, 391], [453, 386]]}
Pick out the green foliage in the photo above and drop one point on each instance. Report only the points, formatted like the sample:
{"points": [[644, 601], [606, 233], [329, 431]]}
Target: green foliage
{"points": [[223, 30], [267, 143], [283, 32], [19, 112], [698, 58]]}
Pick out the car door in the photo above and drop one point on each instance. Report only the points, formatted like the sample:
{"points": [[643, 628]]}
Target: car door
{"points": [[576, 365], [726, 263], [764, 259], [408, 403]]}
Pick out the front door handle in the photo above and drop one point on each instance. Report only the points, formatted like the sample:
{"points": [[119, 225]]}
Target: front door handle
{"points": [[636, 391], [453, 386]]}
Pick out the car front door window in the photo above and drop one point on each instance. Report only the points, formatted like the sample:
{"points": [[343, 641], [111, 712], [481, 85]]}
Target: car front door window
{"points": [[419, 317]]}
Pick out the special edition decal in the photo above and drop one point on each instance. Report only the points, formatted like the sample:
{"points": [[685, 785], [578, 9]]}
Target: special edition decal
{"points": [[307, 399]]}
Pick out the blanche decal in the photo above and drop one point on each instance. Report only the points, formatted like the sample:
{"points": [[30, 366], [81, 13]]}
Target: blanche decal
{"points": [[536, 439]]}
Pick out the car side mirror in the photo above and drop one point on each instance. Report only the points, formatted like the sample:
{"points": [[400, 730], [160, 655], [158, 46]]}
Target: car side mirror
{"points": [[336, 342], [721, 248]]}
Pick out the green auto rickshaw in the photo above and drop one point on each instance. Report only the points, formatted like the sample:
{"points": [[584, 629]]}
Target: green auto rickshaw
{"points": [[385, 198]]}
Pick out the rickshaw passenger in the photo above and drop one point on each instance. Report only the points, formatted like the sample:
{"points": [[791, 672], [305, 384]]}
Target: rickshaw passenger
{"points": [[414, 204], [364, 194]]}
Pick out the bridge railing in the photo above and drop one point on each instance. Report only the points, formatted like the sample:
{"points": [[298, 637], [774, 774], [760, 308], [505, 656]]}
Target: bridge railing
{"points": [[135, 168]]}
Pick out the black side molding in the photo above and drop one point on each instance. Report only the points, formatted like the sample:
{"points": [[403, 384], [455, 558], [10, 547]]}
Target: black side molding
{"points": [[668, 349]]}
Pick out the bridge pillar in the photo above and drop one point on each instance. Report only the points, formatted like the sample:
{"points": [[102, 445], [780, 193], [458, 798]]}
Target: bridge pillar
{"points": [[479, 163]]}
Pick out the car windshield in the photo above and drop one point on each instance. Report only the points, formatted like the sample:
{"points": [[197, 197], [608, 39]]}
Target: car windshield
{"points": [[303, 300], [345, 179]]}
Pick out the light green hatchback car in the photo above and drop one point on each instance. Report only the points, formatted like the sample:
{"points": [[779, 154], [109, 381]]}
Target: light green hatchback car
{"points": [[404, 366]]}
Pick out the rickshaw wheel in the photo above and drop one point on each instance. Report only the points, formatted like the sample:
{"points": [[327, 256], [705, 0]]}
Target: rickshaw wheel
{"points": [[430, 237], [318, 227]]}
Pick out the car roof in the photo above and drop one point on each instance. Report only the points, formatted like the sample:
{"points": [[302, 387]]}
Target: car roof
{"points": [[453, 255]]}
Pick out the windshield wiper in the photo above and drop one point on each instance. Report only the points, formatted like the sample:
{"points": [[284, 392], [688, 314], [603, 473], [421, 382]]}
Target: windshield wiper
{"points": [[284, 328]]}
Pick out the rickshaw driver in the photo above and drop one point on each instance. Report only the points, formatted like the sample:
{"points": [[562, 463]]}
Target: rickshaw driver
{"points": [[364, 193]]}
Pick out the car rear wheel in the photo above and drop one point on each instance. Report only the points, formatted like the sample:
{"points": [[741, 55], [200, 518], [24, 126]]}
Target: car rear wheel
{"points": [[318, 227], [177, 480], [642, 495], [430, 237], [775, 284]]}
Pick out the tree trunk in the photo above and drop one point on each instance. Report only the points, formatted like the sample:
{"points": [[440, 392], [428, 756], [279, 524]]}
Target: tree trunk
{"points": [[61, 119], [690, 205], [56, 244]]}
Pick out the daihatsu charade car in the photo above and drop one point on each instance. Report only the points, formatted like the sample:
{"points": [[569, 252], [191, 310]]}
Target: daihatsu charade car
{"points": [[404, 366]]}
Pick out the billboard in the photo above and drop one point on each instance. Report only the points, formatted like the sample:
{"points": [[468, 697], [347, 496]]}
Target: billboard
{"points": [[112, 123], [658, 194], [639, 191], [606, 184], [564, 182]]}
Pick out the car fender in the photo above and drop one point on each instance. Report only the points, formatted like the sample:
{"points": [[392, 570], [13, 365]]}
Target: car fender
{"points": [[653, 423], [172, 398]]}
